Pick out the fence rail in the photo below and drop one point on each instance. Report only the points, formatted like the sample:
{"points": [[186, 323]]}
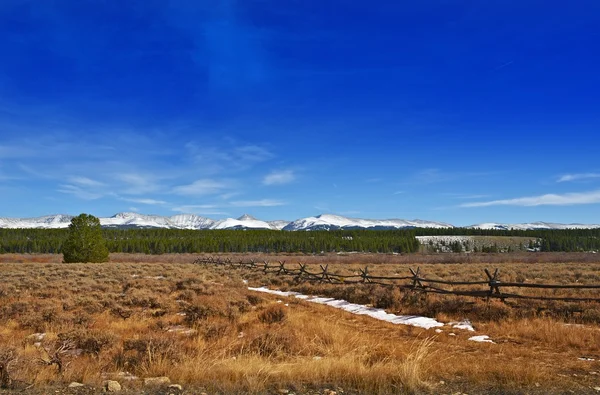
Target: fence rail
{"points": [[415, 282]]}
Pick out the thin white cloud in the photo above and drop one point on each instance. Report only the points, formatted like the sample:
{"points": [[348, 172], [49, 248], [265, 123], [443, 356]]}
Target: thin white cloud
{"points": [[79, 192], [212, 159], [253, 153], [257, 203], [201, 209], [84, 181], [434, 176], [228, 195], [465, 196], [202, 187], [566, 199], [578, 176], [279, 177], [146, 201], [137, 184]]}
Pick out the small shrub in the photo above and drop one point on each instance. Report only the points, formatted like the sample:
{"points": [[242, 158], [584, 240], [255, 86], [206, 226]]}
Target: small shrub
{"points": [[90, 342], [272, 315], [273, 344]]}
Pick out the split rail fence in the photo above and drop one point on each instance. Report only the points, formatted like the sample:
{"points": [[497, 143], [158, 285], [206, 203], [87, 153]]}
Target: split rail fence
{"points": [[488, 288]]}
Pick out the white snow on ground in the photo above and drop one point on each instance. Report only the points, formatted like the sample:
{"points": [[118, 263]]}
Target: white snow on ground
{"points": [[482, 339], [380, 314], [465, 324]]}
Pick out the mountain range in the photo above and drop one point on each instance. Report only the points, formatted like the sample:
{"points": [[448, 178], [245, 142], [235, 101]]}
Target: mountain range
{"points": [[319, 222]]}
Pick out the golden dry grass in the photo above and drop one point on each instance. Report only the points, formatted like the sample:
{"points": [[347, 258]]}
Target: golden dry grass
{"points": [[119, 315]]}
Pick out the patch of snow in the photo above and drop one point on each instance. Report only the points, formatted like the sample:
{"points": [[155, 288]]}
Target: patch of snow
{"points": [[380, 314], [465, 324], [180, 329], [37, 336], [482, 339]]}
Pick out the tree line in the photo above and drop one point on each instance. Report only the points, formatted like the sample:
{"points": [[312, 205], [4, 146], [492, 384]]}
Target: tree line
{"points": [[159, 241]]}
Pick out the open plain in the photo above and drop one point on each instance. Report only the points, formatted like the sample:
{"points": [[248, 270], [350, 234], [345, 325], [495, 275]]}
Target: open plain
{"points": [[142, 317]]}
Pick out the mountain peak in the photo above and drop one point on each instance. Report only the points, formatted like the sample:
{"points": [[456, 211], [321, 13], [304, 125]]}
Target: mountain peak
{"points": [[125, 215], [246, 217]]}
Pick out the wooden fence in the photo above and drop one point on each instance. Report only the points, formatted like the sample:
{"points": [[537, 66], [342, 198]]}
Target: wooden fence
{"points": [[488, 288]]}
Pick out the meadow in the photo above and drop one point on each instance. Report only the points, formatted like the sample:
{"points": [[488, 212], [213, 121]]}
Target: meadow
{"points": [[138, 317]]}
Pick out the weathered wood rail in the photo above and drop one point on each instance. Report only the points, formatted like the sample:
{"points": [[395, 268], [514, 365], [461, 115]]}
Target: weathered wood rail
{"points": [[489, 288]]}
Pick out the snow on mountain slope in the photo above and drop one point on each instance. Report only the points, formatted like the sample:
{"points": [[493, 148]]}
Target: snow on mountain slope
{"points": [[245, 221], [135, 219], [530, 226], [329, 221], [324, 221], [278, 224], [191, 221], [45, 222]]}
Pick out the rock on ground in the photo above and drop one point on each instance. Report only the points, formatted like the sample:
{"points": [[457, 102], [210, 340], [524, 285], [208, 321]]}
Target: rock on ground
{"points": [[156, 381], [112, 386]]}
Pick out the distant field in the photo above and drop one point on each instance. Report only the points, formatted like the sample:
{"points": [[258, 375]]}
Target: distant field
{"points": [[476, 243], [344, 258], [144, 316]]}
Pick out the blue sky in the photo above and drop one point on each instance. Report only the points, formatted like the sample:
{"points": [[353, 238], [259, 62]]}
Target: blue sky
{"points": [[456, 111]]}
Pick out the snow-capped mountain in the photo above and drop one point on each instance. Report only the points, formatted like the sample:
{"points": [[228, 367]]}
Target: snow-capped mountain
{"points": [[136, 220], [278, 224], [45, 222], [329, 221], [531, 226], [244, 222], [320, 222], [191, 221]]}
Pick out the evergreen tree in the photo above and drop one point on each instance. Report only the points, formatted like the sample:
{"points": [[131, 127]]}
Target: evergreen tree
{"points": [[84, 242]]}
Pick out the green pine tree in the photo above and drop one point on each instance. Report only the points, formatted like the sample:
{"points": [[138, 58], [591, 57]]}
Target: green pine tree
{"points": [[85, 242]]}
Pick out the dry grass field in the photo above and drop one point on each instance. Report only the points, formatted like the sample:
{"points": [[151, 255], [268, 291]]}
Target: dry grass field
{"points": [[139, 317]]}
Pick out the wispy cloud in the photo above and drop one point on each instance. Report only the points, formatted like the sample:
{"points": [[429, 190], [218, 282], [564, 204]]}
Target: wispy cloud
{"points": [[566, 199], [578, 176], [465, 196], [257, 203], [433, 176], [79, 192], [145, 201], [213, 159], [202, 187], [279, 177], [138, 184], [84, 181], [201, 209]]}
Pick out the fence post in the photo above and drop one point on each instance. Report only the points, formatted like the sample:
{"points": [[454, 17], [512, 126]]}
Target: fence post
{"points": [[494, 284], [281, 268], [302, 271], [416, 282], [364, 274], [324, 275]]}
